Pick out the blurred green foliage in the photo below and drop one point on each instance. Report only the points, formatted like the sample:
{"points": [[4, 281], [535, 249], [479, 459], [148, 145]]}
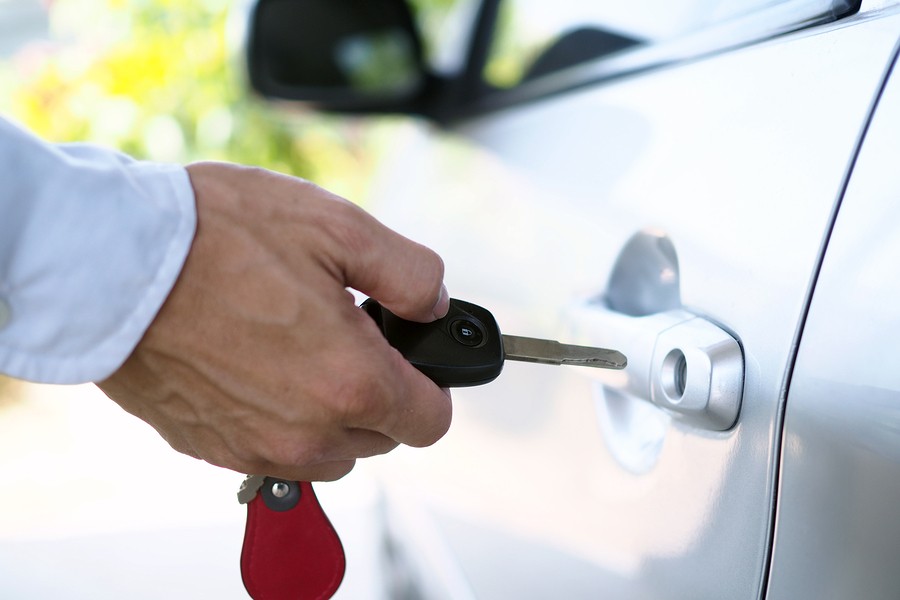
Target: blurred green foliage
{"points": [[511, 52], [159, 79], [162, 80]]}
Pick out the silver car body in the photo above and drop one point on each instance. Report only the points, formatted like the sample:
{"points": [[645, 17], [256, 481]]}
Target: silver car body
{"points": [[551, 483]]}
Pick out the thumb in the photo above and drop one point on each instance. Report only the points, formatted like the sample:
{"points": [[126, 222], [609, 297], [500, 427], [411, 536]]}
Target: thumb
{"points": [[404, 276]]}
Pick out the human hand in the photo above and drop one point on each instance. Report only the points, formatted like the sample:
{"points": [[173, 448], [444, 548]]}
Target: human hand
{"points": [[259, 360]]}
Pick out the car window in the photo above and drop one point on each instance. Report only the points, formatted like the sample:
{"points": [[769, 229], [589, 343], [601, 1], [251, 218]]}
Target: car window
{"points": [[536, 37]]}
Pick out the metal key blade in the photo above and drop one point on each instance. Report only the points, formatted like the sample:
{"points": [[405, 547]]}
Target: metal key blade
{"points": [[550, 352]]}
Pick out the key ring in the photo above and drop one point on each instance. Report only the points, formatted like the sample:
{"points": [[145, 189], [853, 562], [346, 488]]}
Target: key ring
{"points": [[291, 550]]}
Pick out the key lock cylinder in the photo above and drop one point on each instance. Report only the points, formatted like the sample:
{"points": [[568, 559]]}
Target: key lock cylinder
{"points": [[677, 360]]}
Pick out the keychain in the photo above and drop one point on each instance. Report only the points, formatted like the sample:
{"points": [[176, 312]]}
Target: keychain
{"points": [[291, 551]]}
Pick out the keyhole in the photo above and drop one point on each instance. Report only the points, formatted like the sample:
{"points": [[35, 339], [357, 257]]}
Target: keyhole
{"points": [[674, 375]]}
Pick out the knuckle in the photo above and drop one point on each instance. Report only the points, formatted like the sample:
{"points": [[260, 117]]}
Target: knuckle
{"points": [[346, 224], [430, 436], [334, 471], [303, 453], [361, 398], [227, 456], [278, 454], [435, 428], [424, 279], [433, 273], [377, 449]]}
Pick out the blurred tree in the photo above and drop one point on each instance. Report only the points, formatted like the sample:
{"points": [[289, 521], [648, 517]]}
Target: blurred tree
{"points": [[155, 79]]}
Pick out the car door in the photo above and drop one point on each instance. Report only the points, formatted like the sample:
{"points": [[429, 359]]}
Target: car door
{"points": [[706, 182], [837, 533]]}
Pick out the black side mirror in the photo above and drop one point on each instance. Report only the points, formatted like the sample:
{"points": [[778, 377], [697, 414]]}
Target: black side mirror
{"points": [[343, 55]]}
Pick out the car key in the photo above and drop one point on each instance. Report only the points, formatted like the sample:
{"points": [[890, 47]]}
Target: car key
{"points": [[290, 548], [466, 348]]}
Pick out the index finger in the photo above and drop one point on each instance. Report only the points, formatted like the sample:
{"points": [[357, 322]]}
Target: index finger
{"points": [[423, 412], [404, 276], [404, 405]]}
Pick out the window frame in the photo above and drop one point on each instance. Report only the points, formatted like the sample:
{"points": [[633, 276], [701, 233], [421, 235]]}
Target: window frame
{"points": [[468, 95]]}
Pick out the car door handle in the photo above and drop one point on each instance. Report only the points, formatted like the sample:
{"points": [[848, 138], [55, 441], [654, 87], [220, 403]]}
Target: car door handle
{"points": [[679, 361]]}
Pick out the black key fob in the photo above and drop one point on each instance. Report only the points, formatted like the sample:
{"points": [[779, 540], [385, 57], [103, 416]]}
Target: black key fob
{"points": [[464, 348]]}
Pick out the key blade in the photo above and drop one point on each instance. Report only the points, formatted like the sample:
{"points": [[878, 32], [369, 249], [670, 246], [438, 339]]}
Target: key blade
{"points": [[550, 352]]}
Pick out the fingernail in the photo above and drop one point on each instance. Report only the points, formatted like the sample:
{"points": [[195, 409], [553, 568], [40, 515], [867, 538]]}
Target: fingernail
{"points": [[442, 305]]}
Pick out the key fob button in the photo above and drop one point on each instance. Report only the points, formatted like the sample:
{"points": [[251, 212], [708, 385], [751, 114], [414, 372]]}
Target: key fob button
{"points": [[467, 332]]}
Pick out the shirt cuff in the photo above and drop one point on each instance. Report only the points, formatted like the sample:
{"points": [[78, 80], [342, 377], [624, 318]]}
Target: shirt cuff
{"points": [[91, 244]]}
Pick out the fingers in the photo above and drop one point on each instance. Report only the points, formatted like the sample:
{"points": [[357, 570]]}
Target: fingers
{"points": [[425, 417], [405, 277], [397, 401], [282, 374], [401, 404], [299, 458]]}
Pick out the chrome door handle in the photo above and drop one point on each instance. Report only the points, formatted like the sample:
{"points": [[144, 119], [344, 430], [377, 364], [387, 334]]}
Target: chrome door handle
{"points": [[678, 361]]}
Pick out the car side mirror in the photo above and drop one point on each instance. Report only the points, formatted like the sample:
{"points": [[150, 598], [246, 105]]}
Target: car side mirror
{"points": [[341, 55]]}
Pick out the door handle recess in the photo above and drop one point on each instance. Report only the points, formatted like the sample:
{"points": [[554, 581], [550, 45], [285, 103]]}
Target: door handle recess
{"points": [[677, 360]]}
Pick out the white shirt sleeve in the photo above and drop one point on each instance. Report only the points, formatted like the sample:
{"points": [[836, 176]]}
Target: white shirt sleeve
{"points": [[91, 243]]}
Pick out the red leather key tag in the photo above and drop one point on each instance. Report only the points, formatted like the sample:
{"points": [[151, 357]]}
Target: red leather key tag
{"points": [[291, 551]]}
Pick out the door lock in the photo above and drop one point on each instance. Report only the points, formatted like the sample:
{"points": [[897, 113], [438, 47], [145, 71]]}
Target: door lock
{"points": [[677, 360]]}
